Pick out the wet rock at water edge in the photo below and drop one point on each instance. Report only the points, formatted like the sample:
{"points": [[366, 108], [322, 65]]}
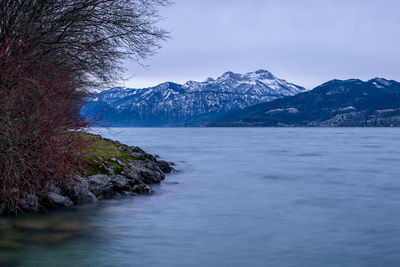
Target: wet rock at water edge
{"points": [[104, 186], [101, 185], [142, 189], [81, 193], [103, 177], [151, 177], [120, 183], [164, 166], [58, 200], [149, 172], [133, 175]]}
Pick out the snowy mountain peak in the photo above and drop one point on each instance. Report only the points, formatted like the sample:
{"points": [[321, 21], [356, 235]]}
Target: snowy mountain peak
{"points": [[250, 76], [229, 75], [261, 71], [381, 82], [172, 104], [260, 75]]}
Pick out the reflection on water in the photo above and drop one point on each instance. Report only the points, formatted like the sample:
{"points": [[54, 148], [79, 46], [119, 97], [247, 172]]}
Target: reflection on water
{"points": [[43, 230], [242, 197]]}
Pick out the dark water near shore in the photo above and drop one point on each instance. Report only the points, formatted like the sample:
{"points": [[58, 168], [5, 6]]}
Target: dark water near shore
{"points": [[243, 197]]}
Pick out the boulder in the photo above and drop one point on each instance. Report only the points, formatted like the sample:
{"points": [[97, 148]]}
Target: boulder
{"points": [[101, 185], [58, 200], [164, 166], [133, 175], [152, 165], [152, 177], [105, 186], [81, 193], [120, 183], [148, 175], [141, 189]]}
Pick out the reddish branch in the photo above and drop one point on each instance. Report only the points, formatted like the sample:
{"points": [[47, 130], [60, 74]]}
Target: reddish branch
{"points": [[50, 53]]}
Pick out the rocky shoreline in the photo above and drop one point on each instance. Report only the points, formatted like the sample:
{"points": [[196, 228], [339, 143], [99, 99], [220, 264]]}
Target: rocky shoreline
{"points": [[116, 170]]}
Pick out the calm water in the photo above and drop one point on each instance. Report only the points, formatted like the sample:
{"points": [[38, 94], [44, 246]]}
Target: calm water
{"points": [[243, 197]]}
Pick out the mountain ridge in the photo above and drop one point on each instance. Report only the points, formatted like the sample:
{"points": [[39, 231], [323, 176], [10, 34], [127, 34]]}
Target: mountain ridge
{"points": [[336, 103], [172, 104]]}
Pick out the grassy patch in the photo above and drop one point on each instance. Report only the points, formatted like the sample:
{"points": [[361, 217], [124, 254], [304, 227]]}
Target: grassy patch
{"points": [[101, 158], [103, 148]]}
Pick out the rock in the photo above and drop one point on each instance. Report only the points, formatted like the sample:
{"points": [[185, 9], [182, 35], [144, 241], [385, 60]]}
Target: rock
{"points": [[141, 189], [164, 166], [118, 161], [136, 154], [29, 203], [133, 175], [58, 200], [149, 157], [101, 185], [55, 198], [81, 193], [136, 149], [152, 165], [147, 175], [106, 166], [120, 183], [119, 174], [152, 177], [104, 186]]}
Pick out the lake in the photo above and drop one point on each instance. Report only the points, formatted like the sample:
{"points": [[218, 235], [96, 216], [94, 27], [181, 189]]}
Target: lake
{"points": [[241, 197]]}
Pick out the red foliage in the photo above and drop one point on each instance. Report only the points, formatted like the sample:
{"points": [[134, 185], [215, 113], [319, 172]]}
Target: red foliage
{"points": [[49, 51], [39, 117]]}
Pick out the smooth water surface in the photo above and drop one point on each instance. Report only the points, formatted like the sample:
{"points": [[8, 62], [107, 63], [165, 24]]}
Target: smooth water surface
{"points": [[242, 197]]}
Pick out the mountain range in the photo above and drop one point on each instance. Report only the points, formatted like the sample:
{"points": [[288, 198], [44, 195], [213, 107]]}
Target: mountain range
{"points": [[336, 103], [252, 99], [193, 103]]}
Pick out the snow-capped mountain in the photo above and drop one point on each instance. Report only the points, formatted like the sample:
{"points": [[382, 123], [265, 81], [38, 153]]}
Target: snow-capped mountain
{"points": [[171, 104]]}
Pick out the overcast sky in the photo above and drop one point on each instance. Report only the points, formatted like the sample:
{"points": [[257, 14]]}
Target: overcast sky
{"points": [[306, 42]]}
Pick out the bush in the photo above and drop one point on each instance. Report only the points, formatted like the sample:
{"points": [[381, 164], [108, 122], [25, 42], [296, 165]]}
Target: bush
{"points": [[39, 106], [51, 52]]}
